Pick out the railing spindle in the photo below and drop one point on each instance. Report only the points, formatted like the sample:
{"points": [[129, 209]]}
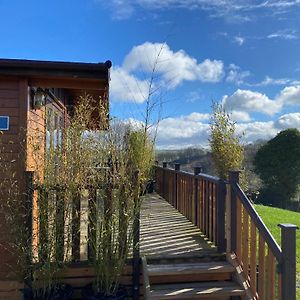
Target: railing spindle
{"points": [[270, 293], [261, 268], [214, 213], [60, 224], [220, 215], [239, 230], [253, 263], [245, 237], [92, 222], [76, 213]]}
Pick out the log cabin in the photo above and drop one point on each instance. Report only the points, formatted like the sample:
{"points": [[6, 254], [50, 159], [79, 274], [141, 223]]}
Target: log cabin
{"points": [[34, 96]]}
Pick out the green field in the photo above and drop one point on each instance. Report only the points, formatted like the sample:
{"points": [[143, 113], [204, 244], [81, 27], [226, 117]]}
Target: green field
{"points": [[273, 216]]}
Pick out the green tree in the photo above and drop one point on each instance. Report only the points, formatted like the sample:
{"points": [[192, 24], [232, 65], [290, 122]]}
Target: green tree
{"points": [[226, 147], [278, 165]]}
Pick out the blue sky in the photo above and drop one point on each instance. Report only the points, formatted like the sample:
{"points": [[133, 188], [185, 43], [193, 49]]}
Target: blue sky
{"points": [[244, 53]]}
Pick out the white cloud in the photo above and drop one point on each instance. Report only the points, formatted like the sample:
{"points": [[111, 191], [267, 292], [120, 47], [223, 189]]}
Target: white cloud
{"points": [[189, 130], [246, 101], [196, 117], [280, 3], [126, 87], [120, 9], [286, 34], [161, 66], [239, 40], [174, 67], [268, 80], [194, 96], [134, 123], [257, 130], [249, 101], [236, 75], [291, 120], [210, 70], [289, 96], [240, 116], [183, 131], [274, 81], [231, 10]]}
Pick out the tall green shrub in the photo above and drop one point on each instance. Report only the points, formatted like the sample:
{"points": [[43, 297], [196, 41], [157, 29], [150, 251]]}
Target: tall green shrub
{"points": [[278, 165], [226, 147]]}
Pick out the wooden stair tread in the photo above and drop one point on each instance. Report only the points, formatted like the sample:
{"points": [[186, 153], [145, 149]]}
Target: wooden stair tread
{"points": [[193, 257], [190, 268], [196, 290]]}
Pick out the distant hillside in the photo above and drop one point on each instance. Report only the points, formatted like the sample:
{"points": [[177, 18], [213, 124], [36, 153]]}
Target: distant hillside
{"points": [[188, 158], [192, 157]]}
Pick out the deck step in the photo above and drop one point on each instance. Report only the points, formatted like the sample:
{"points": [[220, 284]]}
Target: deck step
{"points": [[203, 290], [202, 257], [190, 272]]}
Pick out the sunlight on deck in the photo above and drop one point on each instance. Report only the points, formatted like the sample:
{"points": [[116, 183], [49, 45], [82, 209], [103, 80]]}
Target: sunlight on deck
{"points": [[167, 233]]}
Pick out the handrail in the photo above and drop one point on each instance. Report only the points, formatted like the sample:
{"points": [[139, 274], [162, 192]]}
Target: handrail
{"points": [[199, 197], [200, 175], [269, 239], [257, 251]]}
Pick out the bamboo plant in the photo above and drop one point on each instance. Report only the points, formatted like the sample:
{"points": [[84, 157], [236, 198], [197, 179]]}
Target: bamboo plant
{"points": [[112, 167]]}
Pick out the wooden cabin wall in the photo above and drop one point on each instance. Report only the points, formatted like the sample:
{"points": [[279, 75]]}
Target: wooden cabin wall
{"points": [[13, 103]]}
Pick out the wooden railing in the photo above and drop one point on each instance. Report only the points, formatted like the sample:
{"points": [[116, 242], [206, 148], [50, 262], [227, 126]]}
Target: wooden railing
{"points": [[63, 220], [269, 271], [199, 197], [68, 240]]}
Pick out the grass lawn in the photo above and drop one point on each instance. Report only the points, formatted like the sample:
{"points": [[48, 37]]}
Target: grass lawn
{"points": [[273, 216]]}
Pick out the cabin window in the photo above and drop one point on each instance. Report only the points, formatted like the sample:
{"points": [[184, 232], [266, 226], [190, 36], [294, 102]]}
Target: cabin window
{"points": [[54, 136], [54, 126]]}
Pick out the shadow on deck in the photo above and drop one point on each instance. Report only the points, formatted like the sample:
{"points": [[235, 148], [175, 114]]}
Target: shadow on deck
{"points": [[166, 233]]}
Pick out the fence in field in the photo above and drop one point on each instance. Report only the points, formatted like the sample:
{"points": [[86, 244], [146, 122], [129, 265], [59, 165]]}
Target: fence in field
{"points": [[222, 211]]}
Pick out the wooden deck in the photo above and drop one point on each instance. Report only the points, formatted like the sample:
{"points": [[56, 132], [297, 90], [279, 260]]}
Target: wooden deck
{"points": [[166, 233]]}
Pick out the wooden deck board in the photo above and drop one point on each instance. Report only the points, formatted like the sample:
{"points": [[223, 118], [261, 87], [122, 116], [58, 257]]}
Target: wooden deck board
{"points": [[196, 290], [166, 233]]}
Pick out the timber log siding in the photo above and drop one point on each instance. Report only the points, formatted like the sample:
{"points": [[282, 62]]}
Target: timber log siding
{"points": [[17, 78], [13, 103]]}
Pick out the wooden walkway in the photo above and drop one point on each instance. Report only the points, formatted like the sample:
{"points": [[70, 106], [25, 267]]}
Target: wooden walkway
{"points": [[166, 233]]}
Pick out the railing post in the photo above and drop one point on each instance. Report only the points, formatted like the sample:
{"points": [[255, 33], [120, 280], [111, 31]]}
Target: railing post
{"points": [[136, 257], [288, 246], [220, 228], [136, 242], [197, 171], [165, 165], [177, 169], [234, 178]]}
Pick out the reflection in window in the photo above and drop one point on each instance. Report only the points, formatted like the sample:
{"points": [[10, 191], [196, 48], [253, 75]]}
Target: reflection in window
{"points": [[54, 129]]}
